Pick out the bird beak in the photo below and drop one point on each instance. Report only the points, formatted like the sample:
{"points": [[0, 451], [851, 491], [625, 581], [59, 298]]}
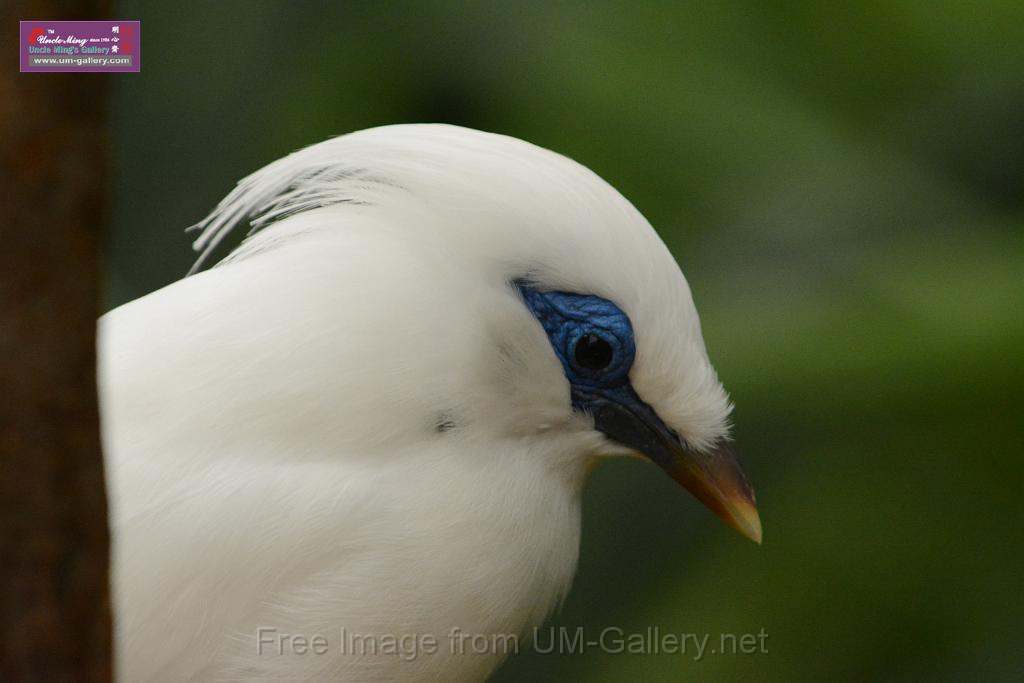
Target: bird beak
{"points": [[713, 476], [716, 479]]}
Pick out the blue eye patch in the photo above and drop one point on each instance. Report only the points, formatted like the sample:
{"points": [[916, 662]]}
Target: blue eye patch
{"points": [[592, 337]]}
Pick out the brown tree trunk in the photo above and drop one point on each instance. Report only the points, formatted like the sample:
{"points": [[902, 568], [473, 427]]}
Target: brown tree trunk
{"points": [[54, 595]]}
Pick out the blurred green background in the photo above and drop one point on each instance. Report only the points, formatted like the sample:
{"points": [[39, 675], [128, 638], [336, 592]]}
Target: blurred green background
{"points": [[844, 189]]}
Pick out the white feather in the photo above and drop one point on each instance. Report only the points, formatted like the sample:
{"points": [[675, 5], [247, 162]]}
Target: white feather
{"points": [[271, 424]]}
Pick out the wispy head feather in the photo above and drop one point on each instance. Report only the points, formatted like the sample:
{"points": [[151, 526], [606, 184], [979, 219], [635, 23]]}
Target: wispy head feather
{"points": [[310, 178]]}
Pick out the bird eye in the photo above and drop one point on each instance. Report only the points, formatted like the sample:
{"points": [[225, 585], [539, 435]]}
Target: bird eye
{"points": [[592, 352]]}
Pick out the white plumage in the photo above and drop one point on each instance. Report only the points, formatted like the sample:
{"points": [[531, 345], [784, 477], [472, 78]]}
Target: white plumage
{"points": [[355, 422]]}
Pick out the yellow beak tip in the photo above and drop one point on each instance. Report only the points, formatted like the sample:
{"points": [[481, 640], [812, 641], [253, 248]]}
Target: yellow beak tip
{"points": [[748, 523]]}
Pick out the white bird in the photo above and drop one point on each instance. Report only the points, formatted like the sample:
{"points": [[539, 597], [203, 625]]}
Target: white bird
{"points": [[375, 417]]}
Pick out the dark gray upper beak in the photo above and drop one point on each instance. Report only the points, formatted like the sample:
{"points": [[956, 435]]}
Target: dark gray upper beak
{"points": [[713, 476]]}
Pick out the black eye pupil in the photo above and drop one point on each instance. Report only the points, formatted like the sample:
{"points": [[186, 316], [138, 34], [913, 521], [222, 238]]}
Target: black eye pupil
{"points": [[592, 352]]}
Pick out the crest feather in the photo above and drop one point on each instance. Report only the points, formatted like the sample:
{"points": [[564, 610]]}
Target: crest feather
{"points": [[310, 178]]}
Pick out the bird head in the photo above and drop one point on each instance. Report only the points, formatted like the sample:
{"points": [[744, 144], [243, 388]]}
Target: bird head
{"points": [[573, 323]]}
